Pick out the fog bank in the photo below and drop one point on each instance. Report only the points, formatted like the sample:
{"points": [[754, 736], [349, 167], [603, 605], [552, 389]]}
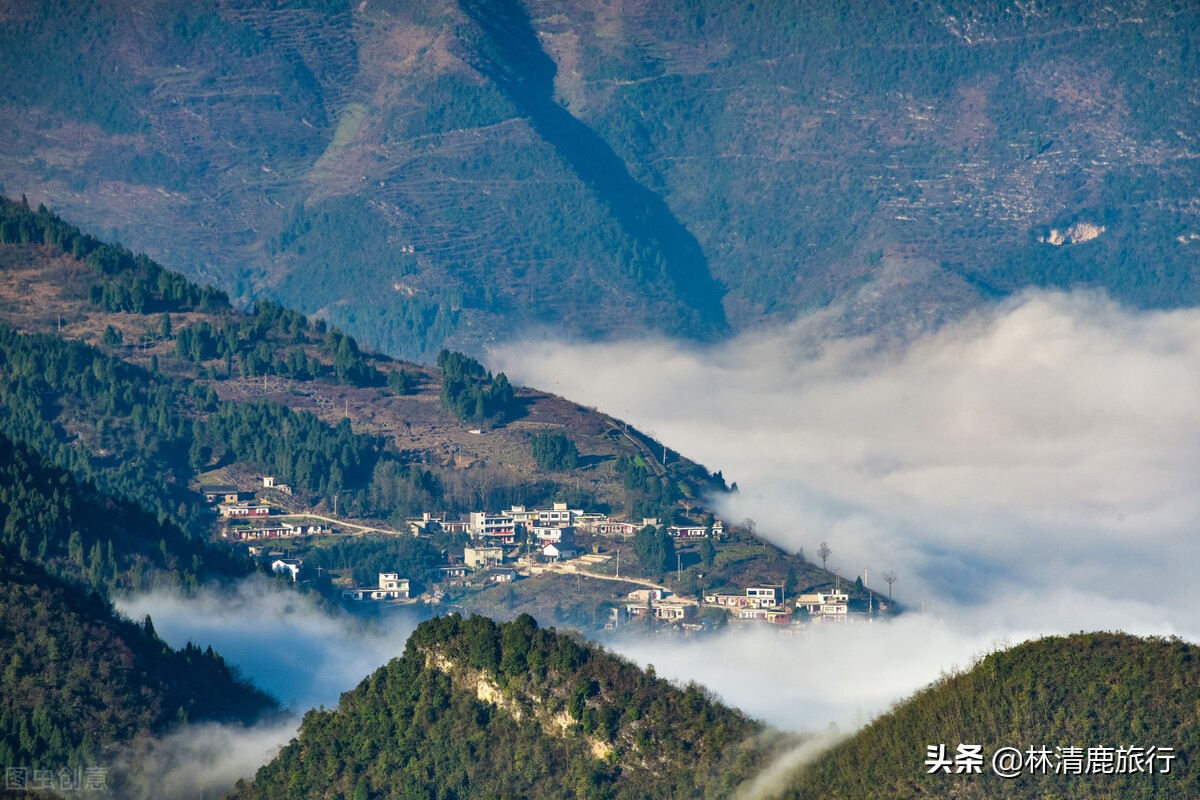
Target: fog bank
{"points": [[1030, 469]]}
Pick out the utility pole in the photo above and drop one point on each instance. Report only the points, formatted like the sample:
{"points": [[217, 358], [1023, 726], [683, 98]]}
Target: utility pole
{"points": [[679, 566], [618, 561]]}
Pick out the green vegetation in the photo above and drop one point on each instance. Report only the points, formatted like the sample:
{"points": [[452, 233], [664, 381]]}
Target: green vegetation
{"points": [[143, 286], [646, 494], [655, 550], [1087, 690], [175, 428], [365, 558], [566, 720], [76, 533], [553, 451], [78, 680], [471, 393], [336, 249]]}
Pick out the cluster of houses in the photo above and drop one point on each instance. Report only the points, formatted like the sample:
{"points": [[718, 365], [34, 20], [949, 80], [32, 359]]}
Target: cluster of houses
{"points": [[764, 603], [551, 529], [249, 518], [272, 530]]}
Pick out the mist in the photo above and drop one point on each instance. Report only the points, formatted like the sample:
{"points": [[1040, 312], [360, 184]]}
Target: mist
{"points": [[282, 641], [279, 639], [1027, 470], [1030, 469]]}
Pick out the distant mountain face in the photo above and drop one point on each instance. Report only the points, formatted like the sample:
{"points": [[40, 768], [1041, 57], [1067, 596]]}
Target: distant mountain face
{"points": [[434, 172]]}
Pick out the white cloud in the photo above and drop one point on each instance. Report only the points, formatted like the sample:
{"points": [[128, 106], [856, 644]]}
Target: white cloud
{"points": [[204, 760], [282, 641], [1029, 469], [279, 639]]}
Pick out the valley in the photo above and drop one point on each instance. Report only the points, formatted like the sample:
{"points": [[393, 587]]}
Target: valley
{"points": [[504, 398]]}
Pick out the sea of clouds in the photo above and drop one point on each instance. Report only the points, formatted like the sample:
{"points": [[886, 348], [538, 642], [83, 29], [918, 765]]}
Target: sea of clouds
{"points": [[1030, 469]]}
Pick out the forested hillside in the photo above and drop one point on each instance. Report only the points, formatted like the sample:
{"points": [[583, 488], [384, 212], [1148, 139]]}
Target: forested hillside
{"points": [[1126, 705], [77, 533], [476, 709], [461, 172], [78, 681], [106, 354]]}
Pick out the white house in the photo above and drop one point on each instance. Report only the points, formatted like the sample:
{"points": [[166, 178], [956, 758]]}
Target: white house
{"points": [[391, 587], [827, 606], [244, 509], [289, 565], [482, 556], [547, 534], [493, 527], [556, 552]]}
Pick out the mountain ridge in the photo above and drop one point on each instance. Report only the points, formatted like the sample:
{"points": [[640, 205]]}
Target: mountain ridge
{"points": [[365, 163]]}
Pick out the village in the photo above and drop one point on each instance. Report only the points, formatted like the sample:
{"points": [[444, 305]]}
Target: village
{"points": [[520, 543]]}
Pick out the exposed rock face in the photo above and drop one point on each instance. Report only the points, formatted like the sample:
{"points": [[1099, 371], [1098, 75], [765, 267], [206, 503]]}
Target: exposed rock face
{"points": [[1078, 233]]}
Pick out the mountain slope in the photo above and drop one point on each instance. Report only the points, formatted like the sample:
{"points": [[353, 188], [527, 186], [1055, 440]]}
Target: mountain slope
{"points": [[423, 173], [1098, 690], [119, 355], [106, 354], [475, 709], [79, 681]]}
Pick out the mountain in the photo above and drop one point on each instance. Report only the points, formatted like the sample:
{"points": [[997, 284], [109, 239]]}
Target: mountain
{"points": [[119, 355], [473, 709], [1098, 691], [466, 172], [476, 709], [80, 682], [106, 354]]}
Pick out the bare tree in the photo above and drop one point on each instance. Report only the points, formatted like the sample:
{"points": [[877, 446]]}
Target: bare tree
{"points": [[889, 578], [824, 552], [749, 524]]}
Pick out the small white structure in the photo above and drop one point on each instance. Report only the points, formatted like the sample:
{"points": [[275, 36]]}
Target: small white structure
{"points": [[391, 587], [557, 552], [291, 566], [547, 534], [502, 575], [482, 556]]}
